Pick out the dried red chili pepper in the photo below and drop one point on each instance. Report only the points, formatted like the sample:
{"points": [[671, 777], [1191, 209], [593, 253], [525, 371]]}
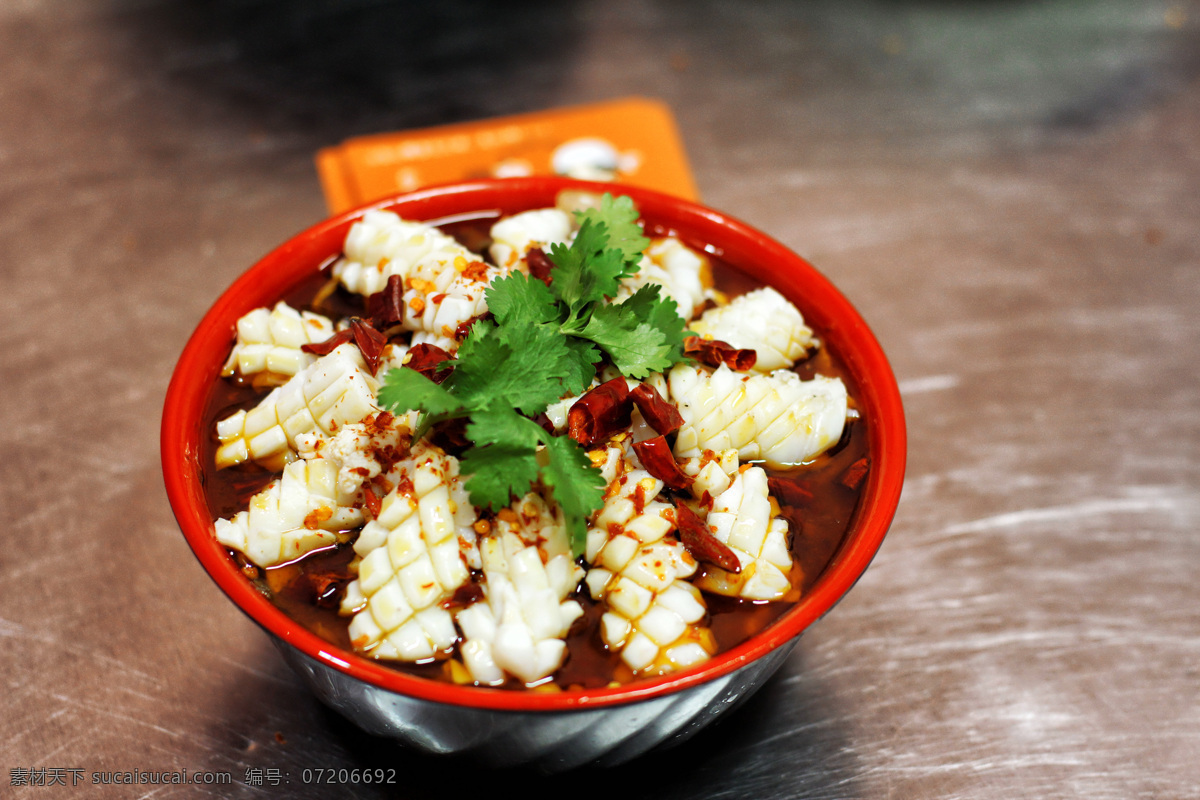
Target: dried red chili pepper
{"points": [[539, 264], [451, 436], [425, 358], [854, 474], [372, 502], [329, 345], [464, 327], [639, 499], [658, 413], [370, 342], [388, 456], [386, 307], [600, 413], [328, 587], [659, 461], [476, 271], [788, 492], [702, 543], [714, 352]]}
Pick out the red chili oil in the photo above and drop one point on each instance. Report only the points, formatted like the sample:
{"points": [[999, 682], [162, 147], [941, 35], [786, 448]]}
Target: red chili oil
{"points": [[818, 500]]}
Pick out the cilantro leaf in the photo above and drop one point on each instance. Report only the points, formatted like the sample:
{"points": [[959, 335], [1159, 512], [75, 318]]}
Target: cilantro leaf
{"points": [[496, 473], [503, 461], [636, 348], [406, 389], [619, 217], [586, 272], [518, 299], [521, 367], [504, 427], [578, 487], [651, 306], [544, 342], [585, 356]]}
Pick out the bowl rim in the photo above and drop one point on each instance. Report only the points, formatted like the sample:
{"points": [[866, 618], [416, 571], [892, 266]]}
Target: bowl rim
{"points": [[824, 307]]}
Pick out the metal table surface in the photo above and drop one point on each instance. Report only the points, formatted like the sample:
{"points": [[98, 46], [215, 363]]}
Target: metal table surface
{"points": [[1008, 191]]}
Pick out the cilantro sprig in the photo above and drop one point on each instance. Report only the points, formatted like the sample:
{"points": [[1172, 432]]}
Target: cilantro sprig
{"points": [[545, 343]]}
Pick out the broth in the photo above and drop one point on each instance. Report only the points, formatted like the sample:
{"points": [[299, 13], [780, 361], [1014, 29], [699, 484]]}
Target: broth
{"points": [[816, 500]]}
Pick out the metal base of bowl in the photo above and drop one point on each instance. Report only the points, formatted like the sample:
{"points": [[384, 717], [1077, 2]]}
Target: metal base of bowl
{"points": [[552, 741]]}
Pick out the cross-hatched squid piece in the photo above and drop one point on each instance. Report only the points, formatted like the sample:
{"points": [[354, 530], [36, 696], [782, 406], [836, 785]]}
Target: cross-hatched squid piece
{"points": [[630, 506], [666, 636], [684, 274], [427, 462], [334, 390], [513, 237], [412, 561], [763, 321], [638, 569], [294, 515], [267, 348], [711, 474], [381, 245], [743, 520], [520, 626], [776, 418], [443, 291], [361, 451]]}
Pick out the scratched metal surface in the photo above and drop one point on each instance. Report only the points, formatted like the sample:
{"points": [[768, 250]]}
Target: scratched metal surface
{"points": [[1008, 191]]}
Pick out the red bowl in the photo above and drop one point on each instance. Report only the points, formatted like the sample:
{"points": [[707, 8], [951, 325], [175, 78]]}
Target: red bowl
{"points": [[372, 694]]}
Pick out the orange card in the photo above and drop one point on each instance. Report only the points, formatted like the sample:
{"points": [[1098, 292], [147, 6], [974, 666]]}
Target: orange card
{"points": [[632, 141]]}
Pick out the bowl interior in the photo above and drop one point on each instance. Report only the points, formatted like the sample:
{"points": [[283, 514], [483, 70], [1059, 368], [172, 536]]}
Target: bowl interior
{"points": [[745, 248]]}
